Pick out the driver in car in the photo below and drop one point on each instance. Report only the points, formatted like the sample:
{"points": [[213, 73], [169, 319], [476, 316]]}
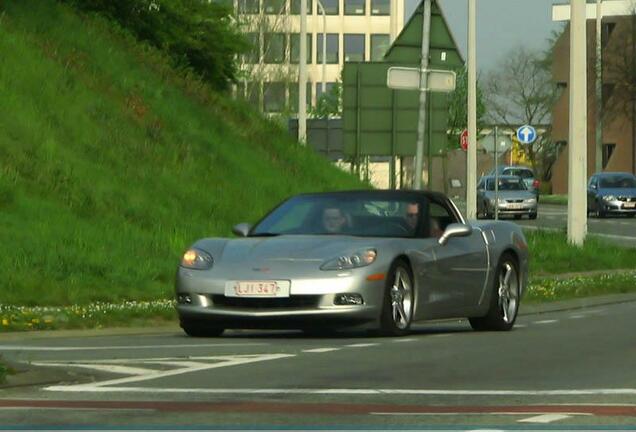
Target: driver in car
{"points": [[334, 220]]}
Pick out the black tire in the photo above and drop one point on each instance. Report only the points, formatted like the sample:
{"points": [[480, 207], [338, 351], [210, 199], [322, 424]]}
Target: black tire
{"points": [[600, 213], [495, 319], [518, 217], [395, 320], [631, 215], [201, 329], [532, 216]]}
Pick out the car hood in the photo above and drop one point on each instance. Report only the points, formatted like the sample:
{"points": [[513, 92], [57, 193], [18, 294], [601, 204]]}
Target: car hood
{"points": [[290, 248], [630, 192]]}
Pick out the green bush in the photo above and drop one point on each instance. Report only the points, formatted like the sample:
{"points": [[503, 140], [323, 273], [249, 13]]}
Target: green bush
{"points": [[196, 34]]}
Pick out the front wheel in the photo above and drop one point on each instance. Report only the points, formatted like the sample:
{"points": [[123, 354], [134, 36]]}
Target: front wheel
{"points": [[504, 301], [397, 308]]}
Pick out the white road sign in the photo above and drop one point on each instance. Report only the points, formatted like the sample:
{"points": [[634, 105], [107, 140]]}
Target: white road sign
{"points": [[403, 78]]}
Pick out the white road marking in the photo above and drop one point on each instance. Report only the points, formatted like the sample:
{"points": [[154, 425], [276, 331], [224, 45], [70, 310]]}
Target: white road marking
{"points": [[362, 345], [124, 347], [99, 388], [545, 418], [320, 350], [219, 362], [545, 322], [116, 369], [520, 326], [404, 340], [576, 316]]}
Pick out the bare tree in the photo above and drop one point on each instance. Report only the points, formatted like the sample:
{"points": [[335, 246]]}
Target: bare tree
{"points": [[521, 91]]}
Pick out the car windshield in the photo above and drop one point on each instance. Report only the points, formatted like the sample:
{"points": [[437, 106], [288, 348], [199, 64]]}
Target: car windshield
{"points": [[617, 182], [365, 215], [507, 184], [519, 172]]}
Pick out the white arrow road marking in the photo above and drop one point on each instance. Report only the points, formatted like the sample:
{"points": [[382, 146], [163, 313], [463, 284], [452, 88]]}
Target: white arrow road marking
{"points": [[148, 374]]}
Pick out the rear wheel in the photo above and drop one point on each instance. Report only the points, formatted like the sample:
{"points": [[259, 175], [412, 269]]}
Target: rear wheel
{"points": [[201, 329], [504, 301], [397, 309]]}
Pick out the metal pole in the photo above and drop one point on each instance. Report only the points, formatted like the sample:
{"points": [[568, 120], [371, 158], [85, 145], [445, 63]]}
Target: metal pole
{"points": [[496, 176], [471, 154], [577, 141], [599, 88], [302, 76], [421, 123], [324, 47]]}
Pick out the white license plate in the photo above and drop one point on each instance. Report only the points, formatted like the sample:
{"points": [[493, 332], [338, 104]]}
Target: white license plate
{"points": [[629, 205], [515, 206], [257, 288]]}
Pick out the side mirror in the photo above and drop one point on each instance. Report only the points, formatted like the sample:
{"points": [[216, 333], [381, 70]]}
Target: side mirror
{"points": [[242, 229], [455, 230]]}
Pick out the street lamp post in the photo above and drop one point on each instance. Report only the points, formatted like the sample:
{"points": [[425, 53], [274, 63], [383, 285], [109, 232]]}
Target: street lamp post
{"points": [[599, 88], [577, 140], [302, 76], [471, 153]]}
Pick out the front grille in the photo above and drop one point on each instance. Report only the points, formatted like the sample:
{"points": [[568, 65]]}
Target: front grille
{"points": [[514, 201], [298, 301]]}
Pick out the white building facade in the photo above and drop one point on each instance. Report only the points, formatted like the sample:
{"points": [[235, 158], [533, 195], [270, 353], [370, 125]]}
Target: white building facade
{"points": [[356, 30]]}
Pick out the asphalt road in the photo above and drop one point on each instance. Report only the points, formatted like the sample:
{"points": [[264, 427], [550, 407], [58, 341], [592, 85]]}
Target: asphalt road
{"points": [[618, 229], [554, 370]]}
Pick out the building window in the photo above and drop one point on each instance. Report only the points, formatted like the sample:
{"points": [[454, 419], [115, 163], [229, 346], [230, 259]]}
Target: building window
{"points": [[274, 47], [608, 91], [354, 7], [273, 97], [295, 7], [249, 6], [379, 45], [253, 56], [295, 48], [293, 96], [251, 92], [606, 32], [608, 150], [329, 89], [332, 7], [354, 47], [380, 7], [274, 7], [332, 48]]}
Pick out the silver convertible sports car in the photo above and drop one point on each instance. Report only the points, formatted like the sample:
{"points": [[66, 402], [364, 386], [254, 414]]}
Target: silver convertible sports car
{"points": [[376, 259]]}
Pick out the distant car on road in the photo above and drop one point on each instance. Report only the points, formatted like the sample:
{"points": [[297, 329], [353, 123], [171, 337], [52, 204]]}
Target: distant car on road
{"points": [[376, 259], [514, 198], [532, 183], [611, 193]]}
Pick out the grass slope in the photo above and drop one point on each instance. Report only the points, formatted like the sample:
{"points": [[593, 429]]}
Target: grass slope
{"points": [[112, 162]]}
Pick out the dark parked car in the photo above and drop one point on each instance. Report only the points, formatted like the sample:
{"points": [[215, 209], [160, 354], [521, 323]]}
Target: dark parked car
{"points": [[532, 183], [611, 193]]}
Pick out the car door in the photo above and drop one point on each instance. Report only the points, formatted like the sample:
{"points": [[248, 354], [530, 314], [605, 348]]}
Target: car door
{"points": [[459, 268]]}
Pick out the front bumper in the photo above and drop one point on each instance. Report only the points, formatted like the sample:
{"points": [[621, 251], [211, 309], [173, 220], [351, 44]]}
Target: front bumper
{"points": [[515, 209], [311, 301], [618, 207]]}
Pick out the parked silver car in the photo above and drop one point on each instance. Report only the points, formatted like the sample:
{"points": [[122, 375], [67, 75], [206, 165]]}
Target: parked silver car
{"points": [[377, 259], [511, 199], [611, 193], [532, 183]]}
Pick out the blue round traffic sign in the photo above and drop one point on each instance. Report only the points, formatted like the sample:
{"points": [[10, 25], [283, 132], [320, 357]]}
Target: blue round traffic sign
{"points": [[526, 134]]}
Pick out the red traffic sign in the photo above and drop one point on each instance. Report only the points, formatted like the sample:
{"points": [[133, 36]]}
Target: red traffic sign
{"points": [[463, 139]]}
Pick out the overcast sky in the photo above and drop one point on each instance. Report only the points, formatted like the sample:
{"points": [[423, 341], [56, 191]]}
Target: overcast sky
{"points": [[502, 25]]}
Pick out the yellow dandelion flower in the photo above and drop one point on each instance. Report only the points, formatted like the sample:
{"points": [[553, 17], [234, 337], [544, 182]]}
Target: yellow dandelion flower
{"points": [[5, 322]]}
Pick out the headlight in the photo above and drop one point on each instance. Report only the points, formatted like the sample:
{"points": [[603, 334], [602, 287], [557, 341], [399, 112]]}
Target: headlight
{"points": [[196, 259], [502, 201], [609, 198], [531, 200], [358, 259]]}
